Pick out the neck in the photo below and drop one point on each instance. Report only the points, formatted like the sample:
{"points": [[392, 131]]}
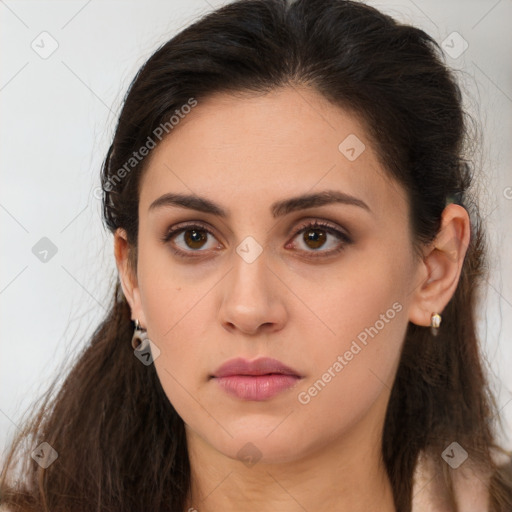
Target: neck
{"points": [[344, 474]]}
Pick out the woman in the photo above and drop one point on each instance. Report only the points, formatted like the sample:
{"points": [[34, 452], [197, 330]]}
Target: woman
{"points": [[299, 254]]}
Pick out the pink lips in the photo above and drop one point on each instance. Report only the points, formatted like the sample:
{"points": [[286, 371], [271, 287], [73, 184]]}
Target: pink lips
{"points": [[255, 380]]}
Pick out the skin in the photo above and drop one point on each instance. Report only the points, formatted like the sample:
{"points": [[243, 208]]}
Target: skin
{"points": [[245, 153]]}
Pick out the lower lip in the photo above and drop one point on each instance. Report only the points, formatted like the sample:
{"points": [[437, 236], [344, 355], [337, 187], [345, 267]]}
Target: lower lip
{"points": [[256, 387]]}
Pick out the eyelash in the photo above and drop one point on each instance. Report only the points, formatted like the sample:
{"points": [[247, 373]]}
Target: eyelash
{"points": [[310, 225]]}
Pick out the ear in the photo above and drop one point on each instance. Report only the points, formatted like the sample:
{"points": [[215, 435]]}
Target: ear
{"points": [[441, 265], [128, 275]]}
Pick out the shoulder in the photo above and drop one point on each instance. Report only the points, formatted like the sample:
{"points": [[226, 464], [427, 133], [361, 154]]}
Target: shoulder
{"points": [[429, 495]]}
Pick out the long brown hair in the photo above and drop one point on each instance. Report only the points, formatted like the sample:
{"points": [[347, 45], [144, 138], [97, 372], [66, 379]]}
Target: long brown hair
{"points": [[120, 443]]}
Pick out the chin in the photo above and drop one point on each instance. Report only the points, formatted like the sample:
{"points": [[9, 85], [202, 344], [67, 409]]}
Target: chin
{"points": [[255, 445]]}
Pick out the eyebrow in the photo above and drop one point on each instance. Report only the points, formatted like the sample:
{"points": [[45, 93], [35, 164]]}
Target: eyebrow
{"points": [[278, 209]]}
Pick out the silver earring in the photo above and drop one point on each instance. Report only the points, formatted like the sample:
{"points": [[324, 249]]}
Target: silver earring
{"points": [[139, 335], [435, 322]]}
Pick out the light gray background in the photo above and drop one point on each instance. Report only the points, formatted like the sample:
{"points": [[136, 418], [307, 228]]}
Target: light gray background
{"points": [[57, 119]]}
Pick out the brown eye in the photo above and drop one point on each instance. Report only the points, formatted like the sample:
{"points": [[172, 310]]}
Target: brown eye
{"points": [[194, 238], [190, 240], [314, 238], [317, 235]]}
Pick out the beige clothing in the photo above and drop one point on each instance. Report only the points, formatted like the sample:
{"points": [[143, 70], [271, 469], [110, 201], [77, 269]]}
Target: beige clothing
{"points": [[470, 488]]}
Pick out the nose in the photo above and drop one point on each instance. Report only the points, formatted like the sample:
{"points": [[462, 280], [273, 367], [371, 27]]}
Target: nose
{"points": [[252, 298]]}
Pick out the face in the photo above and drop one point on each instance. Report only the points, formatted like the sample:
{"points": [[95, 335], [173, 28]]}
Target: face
{"points": [[322, 286]]}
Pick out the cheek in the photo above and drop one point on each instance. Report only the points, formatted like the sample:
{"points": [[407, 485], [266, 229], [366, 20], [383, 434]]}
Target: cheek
{"points": [[177, 308], [354, 370], [363, 311], [169, 301], [169, 291], [357, 296], [176, 324]]}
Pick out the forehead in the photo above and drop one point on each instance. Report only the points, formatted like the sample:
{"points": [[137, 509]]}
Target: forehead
{"points": [[260, 148]]}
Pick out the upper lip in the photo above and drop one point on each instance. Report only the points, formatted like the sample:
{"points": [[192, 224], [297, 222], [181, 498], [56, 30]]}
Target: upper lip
{"points": [[261, 366]]}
